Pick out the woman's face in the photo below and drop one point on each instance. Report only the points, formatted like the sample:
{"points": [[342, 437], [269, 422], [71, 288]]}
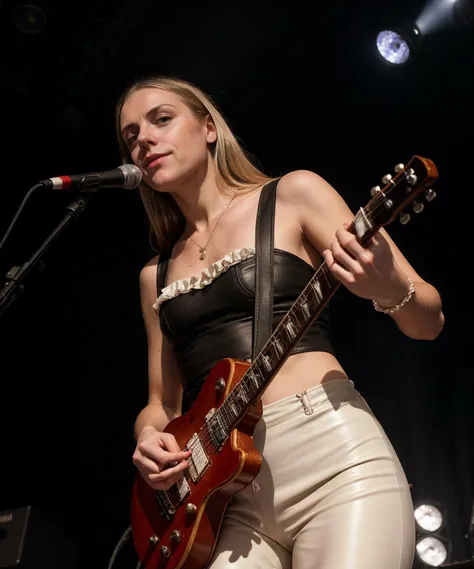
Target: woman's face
{"points": [[165, 140]]}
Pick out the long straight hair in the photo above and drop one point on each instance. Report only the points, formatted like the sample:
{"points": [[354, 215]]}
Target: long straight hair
{"points": [[235, 168]]}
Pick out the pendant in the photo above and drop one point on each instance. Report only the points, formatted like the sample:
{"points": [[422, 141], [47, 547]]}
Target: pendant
{"points": [[202, 251]]}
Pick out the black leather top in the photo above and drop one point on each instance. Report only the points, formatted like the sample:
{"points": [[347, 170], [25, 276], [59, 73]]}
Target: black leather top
{"points": [[215, 322], [208, 324]]}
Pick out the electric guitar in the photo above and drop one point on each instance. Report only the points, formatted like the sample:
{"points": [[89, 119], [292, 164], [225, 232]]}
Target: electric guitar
{"points": [[179, 527]]}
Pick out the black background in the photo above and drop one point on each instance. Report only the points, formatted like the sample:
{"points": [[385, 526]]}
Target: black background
{"points": [[302, 87]]}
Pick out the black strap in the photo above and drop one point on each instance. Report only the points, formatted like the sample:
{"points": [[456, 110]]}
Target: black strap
{"points": [[264, 255], [162, 271]]}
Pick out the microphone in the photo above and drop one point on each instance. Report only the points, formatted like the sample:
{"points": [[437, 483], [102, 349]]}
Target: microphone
{"points": [[126, 176]]}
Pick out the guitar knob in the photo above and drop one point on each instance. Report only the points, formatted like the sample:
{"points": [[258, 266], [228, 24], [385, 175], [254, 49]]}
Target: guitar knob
{"points": [[175, 536], [386, 179], [374, 190], [430, 195], [220, 384], [154, 539], [165, 551], [399, 167], [190, 508], [404, 218], [418, 207]]}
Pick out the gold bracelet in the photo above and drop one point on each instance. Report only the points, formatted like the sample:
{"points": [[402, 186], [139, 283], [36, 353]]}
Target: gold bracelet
{"points": [[392, 309]]}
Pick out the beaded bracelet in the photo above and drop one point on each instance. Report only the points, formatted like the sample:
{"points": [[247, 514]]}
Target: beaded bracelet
{"points": [[392, 309]]}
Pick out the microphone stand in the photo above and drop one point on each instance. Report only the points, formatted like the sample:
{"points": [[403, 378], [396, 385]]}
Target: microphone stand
{"points": [[16, 275]]}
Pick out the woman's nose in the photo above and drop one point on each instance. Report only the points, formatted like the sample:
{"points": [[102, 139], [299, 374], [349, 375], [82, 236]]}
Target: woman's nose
{"points": [[146, 137]]}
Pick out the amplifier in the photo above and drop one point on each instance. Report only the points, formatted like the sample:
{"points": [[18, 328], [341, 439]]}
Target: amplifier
{"points": [[28, 540]]}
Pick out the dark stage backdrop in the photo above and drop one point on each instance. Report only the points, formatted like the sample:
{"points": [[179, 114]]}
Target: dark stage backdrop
{"points": [[73, 348]]}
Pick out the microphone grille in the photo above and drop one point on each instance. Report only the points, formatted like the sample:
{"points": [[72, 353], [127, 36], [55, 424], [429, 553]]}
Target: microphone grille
{"points": [[132, 176]]}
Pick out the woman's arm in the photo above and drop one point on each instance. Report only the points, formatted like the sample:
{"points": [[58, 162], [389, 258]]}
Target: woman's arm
{"points": [[164, 384], [379, 272]]}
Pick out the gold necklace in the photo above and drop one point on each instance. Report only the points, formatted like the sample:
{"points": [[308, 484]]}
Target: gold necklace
{"points": [[203, 248]]}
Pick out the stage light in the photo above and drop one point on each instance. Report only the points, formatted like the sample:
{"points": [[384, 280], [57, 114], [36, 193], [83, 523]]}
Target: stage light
{"points": [[432, 544], [30, 19], [428, 517], [398, 44], [431, 551]]}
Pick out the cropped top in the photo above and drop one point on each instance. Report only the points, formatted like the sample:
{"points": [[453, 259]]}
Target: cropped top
{"points": [[210, 317]]}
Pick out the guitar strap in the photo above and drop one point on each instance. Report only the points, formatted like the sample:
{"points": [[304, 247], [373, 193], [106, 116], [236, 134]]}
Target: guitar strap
{"points": [[264, 262], [162, 270]]}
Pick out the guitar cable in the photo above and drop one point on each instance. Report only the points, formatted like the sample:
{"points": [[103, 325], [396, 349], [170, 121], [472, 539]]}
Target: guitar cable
{"points": [[121, 542]]}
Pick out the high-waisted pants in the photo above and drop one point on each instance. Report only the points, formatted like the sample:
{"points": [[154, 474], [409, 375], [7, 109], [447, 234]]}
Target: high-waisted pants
{"points": [[331, 492]]}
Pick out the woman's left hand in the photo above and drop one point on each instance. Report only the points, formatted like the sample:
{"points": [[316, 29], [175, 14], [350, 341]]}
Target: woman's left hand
{"points": [[368, 272]]}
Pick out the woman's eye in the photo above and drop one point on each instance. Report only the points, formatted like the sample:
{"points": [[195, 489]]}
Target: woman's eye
{"points": [[162, 119], [131, 139]]}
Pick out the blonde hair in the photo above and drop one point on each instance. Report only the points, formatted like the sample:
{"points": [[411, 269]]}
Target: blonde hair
{"points": [[235, 170]]}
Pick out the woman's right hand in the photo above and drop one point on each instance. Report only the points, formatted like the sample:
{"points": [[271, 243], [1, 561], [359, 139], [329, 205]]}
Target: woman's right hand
{"points": [[159, 459]]}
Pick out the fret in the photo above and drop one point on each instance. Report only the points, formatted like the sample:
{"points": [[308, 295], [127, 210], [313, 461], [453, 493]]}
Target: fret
{"points": [[302, 312], [314, 299], [305, 309], [217, 428], [264, 371], [222, 418], [234, 407], [243, 393], [297, 316], [278, 346], [317, 290], [326, 276], [290, 329], [267, 362], [226, 413], [254, 380]]}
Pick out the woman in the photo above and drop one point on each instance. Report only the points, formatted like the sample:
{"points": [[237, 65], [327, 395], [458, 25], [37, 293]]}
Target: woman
{"points": [[331, 492]]}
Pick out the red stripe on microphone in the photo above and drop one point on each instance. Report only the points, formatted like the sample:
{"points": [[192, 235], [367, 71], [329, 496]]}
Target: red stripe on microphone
{"points": [[66, 180]]}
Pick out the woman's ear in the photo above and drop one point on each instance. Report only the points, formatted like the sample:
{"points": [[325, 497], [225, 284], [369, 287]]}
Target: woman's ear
{"points": [[211, 131]]}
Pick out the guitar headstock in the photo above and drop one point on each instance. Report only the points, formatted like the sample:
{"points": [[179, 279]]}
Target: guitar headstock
{"points": [[401, 190]]}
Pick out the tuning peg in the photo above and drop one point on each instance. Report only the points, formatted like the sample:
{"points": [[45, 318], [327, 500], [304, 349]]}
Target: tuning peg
{"points": [[430, 195], [386, 179], [418, 207], [374, 190], [404, 218], [399, 167]]}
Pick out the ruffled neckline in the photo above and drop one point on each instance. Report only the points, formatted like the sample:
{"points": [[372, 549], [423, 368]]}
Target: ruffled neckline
{"points": [[207, 276]]}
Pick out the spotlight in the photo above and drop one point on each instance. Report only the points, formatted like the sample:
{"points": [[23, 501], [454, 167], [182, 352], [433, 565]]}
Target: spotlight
{"points": [[428, 517], [30, 19], [432, 548], [398, 44], [431, 551]]}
